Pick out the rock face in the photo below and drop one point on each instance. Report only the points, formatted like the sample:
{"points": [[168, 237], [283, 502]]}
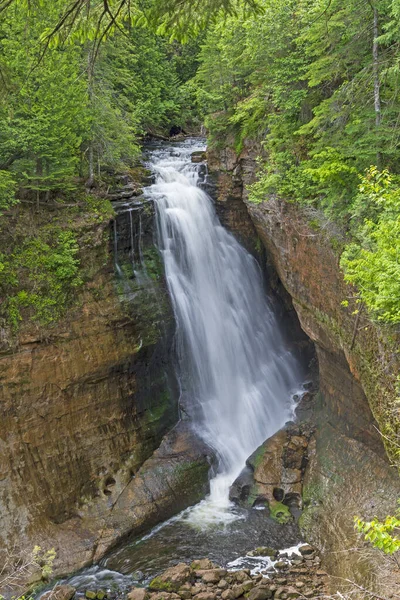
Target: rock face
{"points": [[348, 471], [274, 473], [83, 407], [225, 185]]}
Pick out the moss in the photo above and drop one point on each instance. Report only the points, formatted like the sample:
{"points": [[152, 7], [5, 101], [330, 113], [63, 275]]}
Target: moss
{"points": [[280, 512], [164, 586]]}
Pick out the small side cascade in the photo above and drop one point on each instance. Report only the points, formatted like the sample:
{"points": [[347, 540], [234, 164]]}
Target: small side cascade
{"points": [[132, 231]]}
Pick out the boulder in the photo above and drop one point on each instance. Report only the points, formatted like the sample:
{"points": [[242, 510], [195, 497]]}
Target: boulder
{"points": [[198, 156], [60, 592], [259, 593], [227, 595], [138, 594], [172, 579], [211, 575], [203, 564], [306, 550], [209, 595]]}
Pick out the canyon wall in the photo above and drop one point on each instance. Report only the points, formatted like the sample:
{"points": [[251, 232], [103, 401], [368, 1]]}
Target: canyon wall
{"points": [[348, 471], [84, 405]]}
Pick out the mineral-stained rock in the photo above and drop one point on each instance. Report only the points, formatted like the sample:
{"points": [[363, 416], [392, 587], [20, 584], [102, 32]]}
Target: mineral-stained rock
{"points": [[274, 472], [96, 381]]}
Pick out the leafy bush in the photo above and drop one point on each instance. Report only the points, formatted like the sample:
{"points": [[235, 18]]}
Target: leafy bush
{"points": [[380, 533], [372, 261]]}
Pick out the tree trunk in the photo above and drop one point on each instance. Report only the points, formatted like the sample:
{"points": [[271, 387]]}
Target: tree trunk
{"points": [[90, 181], [377, 94], [39, 175]]}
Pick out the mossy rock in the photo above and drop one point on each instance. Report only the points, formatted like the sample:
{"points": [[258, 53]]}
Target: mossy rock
{"points": [[280, 512], [158, 584]]}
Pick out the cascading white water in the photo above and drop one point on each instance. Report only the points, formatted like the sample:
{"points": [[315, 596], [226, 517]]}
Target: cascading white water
{"points": [[237, 378]]}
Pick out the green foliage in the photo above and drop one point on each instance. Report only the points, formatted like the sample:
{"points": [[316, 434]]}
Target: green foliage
{"points": [[44, 559], [300, 81], [7, 191], [372, 261], [40, 278], [380, 533]]}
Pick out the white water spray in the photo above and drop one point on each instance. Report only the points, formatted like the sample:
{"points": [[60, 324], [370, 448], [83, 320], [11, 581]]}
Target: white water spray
{"points": [[237, 378]]}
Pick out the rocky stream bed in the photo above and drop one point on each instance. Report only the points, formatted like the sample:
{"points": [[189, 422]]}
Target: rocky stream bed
{"points": [[293, 573]]}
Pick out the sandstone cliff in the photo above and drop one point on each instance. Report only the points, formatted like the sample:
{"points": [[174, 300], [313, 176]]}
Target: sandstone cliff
{"points": [[348, 471], [84, 405]]}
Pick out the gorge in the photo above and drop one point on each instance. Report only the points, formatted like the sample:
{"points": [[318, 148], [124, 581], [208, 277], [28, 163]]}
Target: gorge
{"points": [[199, 300], [228, 312]]}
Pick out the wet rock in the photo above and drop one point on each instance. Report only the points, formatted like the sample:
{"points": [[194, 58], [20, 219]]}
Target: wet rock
{"points": [[306, 550], [240, 489], [198, 156], [203, 564], [175, 476], [90, 595], [274, 472], [241, 576], [60, 592], [266, 551]]}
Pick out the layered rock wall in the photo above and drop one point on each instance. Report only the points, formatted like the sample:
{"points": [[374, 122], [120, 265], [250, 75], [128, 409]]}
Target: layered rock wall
{"points": [[349, 472], [84, 405]]}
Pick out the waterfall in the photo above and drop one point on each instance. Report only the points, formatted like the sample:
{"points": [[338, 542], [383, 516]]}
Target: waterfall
{"points": [[237, 378]]}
